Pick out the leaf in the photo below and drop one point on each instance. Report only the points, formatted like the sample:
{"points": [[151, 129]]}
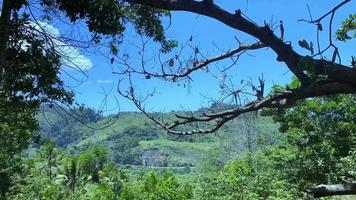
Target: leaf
{"points": [[305, 45], [320, 27]]}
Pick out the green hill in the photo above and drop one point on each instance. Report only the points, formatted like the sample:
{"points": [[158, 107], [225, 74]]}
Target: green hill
{"points": [[132, 139]]}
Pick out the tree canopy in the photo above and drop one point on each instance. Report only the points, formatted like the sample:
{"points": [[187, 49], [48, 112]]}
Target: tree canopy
{"points": [[30, 63]]}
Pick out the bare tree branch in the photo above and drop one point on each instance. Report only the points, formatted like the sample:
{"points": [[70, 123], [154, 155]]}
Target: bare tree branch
{"points": [[265, 34], [337, 78], [277, 100], [182, 73]]}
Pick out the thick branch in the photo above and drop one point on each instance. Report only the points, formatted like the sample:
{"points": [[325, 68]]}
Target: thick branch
{"points": [[336, 72], [332, 190], [284, 51]]}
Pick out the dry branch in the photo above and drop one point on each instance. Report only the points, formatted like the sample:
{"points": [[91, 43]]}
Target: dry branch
{"points": [[332, 190], [338, 78]]}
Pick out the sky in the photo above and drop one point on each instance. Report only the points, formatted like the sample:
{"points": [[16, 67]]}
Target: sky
{"points": [[98, 88]]}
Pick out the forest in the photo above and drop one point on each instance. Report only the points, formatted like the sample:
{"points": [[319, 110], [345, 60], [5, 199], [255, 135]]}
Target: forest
{"points": [[146, 100]]}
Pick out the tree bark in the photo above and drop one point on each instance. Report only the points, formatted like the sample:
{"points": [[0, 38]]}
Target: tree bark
{"points": [[332, 190], [4, 35]]}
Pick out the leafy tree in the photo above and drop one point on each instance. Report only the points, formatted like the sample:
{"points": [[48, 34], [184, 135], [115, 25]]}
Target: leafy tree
{"points": [[91, 162], [29, 61], [72, 175], [73, 179], [320, 142], [319, 149], [155, 187], [17, 125], [248, 177], [49, 153]]}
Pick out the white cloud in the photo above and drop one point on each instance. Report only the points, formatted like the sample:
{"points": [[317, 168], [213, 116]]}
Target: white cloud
{"points": [[104, 81], [47, 27], [72, 57]]}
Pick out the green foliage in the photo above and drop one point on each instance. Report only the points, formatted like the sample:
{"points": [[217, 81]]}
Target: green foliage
{"points": [[64, 126], [126, 144], [245, 178], [295, 83], [91, 162], [110, 17], [154, 187], [32, 67], [319, 149], [28, 77], [309, 46], [17, 127], [103, 16], [30, 71], [214, 160], [348, 25], [307, 64], [320, 143], [49, 154], [73, 179], [131, 135]]}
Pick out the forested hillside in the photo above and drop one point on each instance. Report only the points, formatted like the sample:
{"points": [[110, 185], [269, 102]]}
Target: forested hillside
{"points": [[127, 157], [132, 139]]}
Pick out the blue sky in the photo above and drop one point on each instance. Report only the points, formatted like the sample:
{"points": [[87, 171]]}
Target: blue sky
{"points": [[209, 33]]}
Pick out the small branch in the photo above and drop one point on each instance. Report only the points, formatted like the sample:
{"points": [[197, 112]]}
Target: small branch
{"points": [[277, 100], [228, 54], [331, 11], [319, 28], [181, 74]]}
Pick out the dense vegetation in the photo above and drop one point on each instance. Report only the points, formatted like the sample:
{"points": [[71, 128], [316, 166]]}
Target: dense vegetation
{"points": [[80, 154], [314, 144]]}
